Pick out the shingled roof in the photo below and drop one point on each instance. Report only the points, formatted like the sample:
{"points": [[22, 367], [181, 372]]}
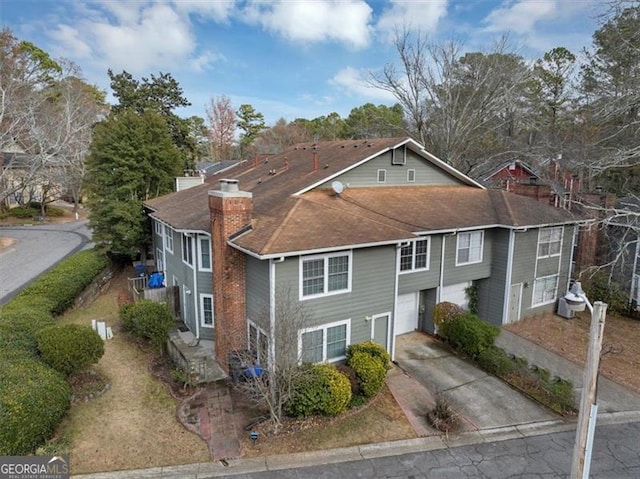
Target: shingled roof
{"points": [[290, 217]]}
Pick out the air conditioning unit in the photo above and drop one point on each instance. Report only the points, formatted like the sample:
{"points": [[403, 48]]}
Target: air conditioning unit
{"points": [[564, 310]]}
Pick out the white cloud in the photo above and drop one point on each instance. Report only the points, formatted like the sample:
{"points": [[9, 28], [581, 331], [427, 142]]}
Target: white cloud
{"points": [[423, 16], [521, 16], [354, 82], [345, 21], [218, 10], [133, 36]]}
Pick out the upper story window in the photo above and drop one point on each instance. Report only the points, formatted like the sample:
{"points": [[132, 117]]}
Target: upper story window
{"points": [[205, 253], [168, 239], [326, 343], [544, 290], [325, 274], [415, 255], [411, 176], [470, 246], [159, 260], [159, 228], [382, 176], [549, 242], [187, 249]]}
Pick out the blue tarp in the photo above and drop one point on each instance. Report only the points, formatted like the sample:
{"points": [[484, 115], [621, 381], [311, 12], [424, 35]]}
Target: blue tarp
{"points": [[156, 280]]}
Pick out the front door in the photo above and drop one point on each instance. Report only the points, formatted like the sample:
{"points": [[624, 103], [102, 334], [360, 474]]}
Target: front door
{"points": [[515, 297], [380, 330]]}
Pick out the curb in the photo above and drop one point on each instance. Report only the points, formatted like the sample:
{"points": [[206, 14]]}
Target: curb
{"points": [[355, 453]]}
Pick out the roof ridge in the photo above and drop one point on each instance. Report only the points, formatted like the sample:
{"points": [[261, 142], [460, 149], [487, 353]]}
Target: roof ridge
{"points": [[278, 231]]}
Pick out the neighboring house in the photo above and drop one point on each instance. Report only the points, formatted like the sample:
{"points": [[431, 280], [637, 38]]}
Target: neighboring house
{"points": [[623, 234], [368, 235], [24, 180]]}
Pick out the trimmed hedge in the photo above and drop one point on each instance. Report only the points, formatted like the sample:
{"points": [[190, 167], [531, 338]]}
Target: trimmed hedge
{"points": [[469, 334], [495, 361], [444, 312], [18, 329], [370, 371], [56, 290], [372, 349], [33, 400], [69, 348], [322, 389], [149, 320]]}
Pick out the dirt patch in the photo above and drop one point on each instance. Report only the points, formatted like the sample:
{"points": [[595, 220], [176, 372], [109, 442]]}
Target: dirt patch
{"points": [[6, 242], [569, 338], [87, 385]]}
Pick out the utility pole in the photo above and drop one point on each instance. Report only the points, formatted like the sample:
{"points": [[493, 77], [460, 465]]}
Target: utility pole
{"points": [[588, 402]]}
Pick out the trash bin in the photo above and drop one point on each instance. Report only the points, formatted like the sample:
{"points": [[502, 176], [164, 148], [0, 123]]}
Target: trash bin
{"points": [[140, 268]]}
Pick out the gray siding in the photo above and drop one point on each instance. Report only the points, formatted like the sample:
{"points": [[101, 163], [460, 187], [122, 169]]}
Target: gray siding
{"points": [[372, 290], [458, 274], [367, 174], [421, 280], [257, 274], [491, 291]]}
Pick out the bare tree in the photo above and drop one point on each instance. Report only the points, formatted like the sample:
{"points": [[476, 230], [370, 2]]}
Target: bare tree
{"points": [[273, 388], [454, 101], [222, 127]]}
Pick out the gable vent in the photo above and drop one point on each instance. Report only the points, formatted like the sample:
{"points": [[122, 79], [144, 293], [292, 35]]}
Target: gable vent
{"points": [[399, 156]]}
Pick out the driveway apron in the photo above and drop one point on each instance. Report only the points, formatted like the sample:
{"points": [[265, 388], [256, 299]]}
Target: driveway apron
{"points": [[486, 401]]}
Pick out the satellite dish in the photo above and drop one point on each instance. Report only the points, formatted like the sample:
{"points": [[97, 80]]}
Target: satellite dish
{"points": [[338, 187]]}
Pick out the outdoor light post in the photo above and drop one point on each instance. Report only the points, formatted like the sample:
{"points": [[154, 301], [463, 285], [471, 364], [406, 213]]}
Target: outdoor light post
{"points": [[577, 301]]}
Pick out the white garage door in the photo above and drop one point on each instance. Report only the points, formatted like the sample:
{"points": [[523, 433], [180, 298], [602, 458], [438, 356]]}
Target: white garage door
{"points": [[455, 294], [407, 313]]}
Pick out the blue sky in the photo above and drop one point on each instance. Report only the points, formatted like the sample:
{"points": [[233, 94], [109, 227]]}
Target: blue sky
{"points": [[289, 58]]}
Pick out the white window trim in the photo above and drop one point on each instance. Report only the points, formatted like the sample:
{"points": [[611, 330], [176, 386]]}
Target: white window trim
{"points": [[168, 239], [324, 328], [200, 265], [159, 259], [384, 174], [561, 228], [260, 331], [409, 172], [555, 294], [458, 263], [413, 257], [159, 228], [184, 237], [213, 315], [325, 257]]}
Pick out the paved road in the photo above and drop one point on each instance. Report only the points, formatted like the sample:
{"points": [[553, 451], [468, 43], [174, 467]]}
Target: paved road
{"points": [[615, 456], [37, 248]]}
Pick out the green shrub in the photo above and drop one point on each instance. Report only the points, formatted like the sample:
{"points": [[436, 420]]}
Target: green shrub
{"points": [[23, 212], [69, 348], [323, 390], [54, 211], [33, 400], [444, 312], [495, 361], [469, 334], [562, 392], [372, 349], [56, 290], [370, 370], [18, 328], [598, 287], [149, 320], [309, 394]]}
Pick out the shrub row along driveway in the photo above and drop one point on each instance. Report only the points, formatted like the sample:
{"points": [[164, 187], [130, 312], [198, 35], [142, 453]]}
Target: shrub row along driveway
{"points": [[484, 400]]}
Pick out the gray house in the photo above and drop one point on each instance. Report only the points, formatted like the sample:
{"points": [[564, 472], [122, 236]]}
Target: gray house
{"points": [[368, 235]]}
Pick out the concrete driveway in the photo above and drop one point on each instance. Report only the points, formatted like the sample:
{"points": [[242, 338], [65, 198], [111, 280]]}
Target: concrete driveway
{"points": [[486, 401]]}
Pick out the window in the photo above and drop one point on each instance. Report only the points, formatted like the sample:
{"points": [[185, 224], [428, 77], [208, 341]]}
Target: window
{"points": [[325, 343], [159, 228], [205, 253], [168, 239], [411, 176], [544, 290], [159, 260], [258, 343], [382, 176], [206, 310], [323, 275], [469, 248], [549, 242], [187, 249], [415, 255]]}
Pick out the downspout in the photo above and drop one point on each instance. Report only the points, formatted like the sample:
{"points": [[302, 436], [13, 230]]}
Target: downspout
{"points": [[571, 258], [508, 277], [272, 314], [635, 268], [395, 304], [195, 286]]}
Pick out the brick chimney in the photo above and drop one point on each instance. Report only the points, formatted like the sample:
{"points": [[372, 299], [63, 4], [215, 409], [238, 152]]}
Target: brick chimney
{"points": [[230, 211]]}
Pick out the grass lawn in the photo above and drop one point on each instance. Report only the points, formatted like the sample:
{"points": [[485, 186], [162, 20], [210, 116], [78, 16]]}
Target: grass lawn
{"points": [[132, 425]]}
